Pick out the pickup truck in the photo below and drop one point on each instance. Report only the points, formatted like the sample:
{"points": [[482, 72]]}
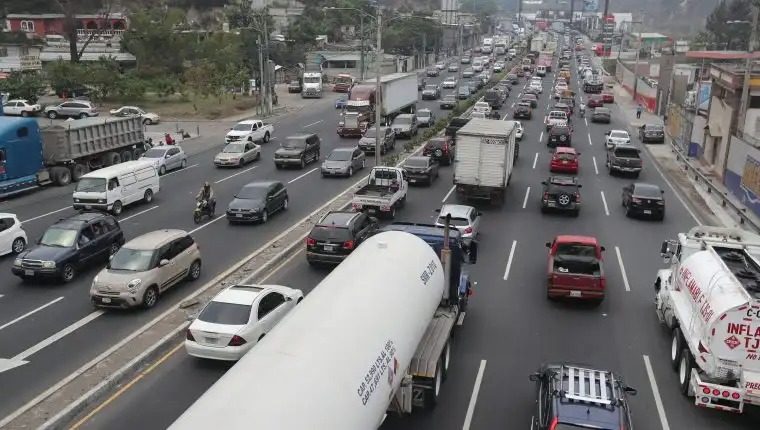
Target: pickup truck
{"points": [[251, 130], [624, 158], [576, 268], [555, 117], [384, 192]]}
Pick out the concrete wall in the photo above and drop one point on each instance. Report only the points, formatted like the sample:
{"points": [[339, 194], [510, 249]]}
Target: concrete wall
{"points": [[743, 173], [646, 95]]}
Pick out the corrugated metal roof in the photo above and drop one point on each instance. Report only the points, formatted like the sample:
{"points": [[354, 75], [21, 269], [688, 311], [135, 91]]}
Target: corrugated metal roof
{"points": [[343, 57], [492, 127], [722, 55]]}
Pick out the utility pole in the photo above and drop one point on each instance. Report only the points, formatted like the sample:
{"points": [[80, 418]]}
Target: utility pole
{"points": [[262, 102], [424, 50], [378, 86], [361, 47], [267, 72], [638, 54], [747, 69]]}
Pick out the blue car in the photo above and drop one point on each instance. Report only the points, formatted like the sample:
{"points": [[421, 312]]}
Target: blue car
{"points": [[340, 103]]}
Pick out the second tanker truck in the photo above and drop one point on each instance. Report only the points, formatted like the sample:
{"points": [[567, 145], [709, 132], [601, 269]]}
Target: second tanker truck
{"points": [[374, 336]]}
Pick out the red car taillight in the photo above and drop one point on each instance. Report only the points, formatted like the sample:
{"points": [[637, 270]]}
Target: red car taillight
{"points": [[310, 241], [189, 335], [349, 244], [236, 341], [546, 196], [468, 230], [577, 198]]}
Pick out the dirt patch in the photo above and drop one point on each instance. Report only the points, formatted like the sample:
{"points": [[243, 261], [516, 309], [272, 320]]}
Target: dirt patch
{"points": [[191, 107]]}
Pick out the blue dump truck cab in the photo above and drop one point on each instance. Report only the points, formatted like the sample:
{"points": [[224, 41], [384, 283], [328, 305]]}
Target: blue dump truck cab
{"points": [[20, 155], [460, 284]]}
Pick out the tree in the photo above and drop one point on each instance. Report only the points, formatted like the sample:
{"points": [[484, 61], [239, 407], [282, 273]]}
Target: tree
{"points": [[104, 77], [407, 36], [152, 39], [733, 36], [70, 8], [23, 85], [64, 74]]}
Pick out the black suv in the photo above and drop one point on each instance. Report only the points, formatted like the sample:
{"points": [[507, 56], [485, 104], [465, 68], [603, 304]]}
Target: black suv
{"points": [[439, 149], [572, 396], [559, 136], [336, 235], [561, 193], [298, 150], [421, 169], [70, 245]]}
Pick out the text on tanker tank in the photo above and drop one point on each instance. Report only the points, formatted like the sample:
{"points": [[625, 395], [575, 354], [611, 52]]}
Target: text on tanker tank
{"points": [[695, 291], [379, 367], [750, 334], [428, 272]]}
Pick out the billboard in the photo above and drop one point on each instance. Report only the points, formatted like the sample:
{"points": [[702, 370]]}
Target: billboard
{"points": [[703, 98], [590, 5]]}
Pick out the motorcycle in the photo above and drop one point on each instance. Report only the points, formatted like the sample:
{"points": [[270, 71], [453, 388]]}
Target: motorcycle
{"points": [[583, 112], [203, 208]]}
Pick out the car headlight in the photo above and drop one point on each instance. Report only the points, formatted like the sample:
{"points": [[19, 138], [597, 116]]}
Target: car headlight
{"points": [[134, 283], [17, 262], [48, 264], [101, 200]]}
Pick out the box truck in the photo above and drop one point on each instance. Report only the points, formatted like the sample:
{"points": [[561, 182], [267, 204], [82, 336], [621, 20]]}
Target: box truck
{"points": [[399, 94]]}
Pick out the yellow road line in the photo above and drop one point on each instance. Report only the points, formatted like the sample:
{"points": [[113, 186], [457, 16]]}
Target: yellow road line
{"points": [[126, 387]]}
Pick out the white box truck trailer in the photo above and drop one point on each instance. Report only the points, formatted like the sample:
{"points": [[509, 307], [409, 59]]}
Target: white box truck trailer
{"points": [[399, 94], [485, 154]]}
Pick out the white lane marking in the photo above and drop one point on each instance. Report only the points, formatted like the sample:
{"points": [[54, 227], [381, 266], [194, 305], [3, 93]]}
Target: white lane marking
{"points": [[139, 213], [622, 269], [535, 160], [474, 396], [509, 260], [586, 121], [596, 169], [589, 139], [303, 175], [525, 200], [207, 224], [513, 105], [604, 202], [235, 174], [1, 296], [446, 197], [313, 123], [672, 188], [47, 214], [540, 138], [58, 336], [180, 170], [32, 312], [656, 393]]}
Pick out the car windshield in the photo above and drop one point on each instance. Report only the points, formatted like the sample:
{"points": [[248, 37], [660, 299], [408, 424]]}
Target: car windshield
{"points": [[59, 237], [576, 249], [559, 130], [565, 156], [648, 192], [423, 113], [372, 132], [225, 313], [234, 148], [431, 88], [242, 127], [154, 153], [312, 80], [456, 222], [402, 120], [619, 135], [294, 144], [653, 128], [449, 98], [340, 155], [416, 162], [523, 105], [626, 151], [294, 83], [603, 111], [252, 193], [132, 260], [92, 185]]}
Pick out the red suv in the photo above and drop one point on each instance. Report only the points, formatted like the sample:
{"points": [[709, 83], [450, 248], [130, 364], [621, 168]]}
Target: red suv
{"points": [[440, 150], [576, 268], [564, 160], [595, 101]]}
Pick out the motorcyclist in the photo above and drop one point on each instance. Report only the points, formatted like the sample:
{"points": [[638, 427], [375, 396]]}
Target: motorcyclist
{"points": [[206, 194], [583, 109]]}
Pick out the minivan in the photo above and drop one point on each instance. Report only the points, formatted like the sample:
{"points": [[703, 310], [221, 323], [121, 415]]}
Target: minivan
{"points": [[477, 66], [541, 70], [111, 188]]}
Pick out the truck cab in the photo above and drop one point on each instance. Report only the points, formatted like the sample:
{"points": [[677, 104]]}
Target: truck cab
{"points": [[20, 155], [312, 85]]}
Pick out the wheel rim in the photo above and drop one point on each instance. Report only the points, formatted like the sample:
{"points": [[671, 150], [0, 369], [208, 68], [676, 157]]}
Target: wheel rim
{"points": [[195, 272], [162, 170], [150, 297], [682, 376], [447, 357], [114, 248], [117, 208], [68, 273], [264, 216], [184, 163], [148, 196], [350, 171], [18, 245]]}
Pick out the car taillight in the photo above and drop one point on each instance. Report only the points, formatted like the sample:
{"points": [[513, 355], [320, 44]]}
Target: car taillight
{"points": [[660, 203], [189, 335], [446, 147], [735, 396], [349, 244], [546, 196], [468, 230], [577, 197], [236, 341], [635, 200], [310, 241], [553, 424]]}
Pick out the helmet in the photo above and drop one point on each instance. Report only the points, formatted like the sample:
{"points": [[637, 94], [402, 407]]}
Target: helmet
{"points": [[206, 185]]}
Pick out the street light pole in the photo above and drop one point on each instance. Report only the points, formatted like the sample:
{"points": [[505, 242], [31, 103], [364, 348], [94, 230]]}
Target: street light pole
{"points": [[748, 69], [638, 54], [361, 47], [378, 87]]}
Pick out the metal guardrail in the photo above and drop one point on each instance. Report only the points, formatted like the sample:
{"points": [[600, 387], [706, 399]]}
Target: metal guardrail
{"points": [[723, 197]]}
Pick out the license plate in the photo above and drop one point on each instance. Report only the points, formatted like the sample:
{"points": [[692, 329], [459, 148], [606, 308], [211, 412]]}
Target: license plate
{"points": [[210, 340], [29, 272], [551, 204], [238, 215], [329, 248], [88, 207], [412, 180], [647, 212], [564, 161], [105, 300], [575, 293], [372, 210]]}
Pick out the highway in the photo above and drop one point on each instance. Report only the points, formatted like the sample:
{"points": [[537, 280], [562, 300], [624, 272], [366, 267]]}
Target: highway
{"points": [[510, 327], [54, 327]]}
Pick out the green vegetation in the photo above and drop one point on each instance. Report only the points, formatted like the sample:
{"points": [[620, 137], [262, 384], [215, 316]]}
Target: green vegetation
{"points": [[719, 34]]}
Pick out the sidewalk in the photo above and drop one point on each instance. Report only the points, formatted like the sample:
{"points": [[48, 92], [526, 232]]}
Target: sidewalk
{"points": [[703, 190]]}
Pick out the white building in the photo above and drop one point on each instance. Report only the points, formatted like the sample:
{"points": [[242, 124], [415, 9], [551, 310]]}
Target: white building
{"points": [[18, 57]]}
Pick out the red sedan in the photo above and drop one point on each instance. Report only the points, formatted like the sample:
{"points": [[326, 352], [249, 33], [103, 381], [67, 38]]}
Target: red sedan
{"points": [[608, 97], [564, 160], [595, 101]]}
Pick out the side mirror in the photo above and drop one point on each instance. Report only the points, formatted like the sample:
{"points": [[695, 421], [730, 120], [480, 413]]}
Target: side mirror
{"points": [[543, 183], [535, 377], [163, 263], [607, 133], [288, 299], [110, 257], [631, 391], [479, 214], [665, 248], [548, 244], [580, 185], [662, 191], [602, 248]]}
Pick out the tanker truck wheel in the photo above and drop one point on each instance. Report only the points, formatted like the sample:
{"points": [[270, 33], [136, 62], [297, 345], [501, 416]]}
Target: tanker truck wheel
{"points": [[431, 394], [676, 348], [684, 373]]}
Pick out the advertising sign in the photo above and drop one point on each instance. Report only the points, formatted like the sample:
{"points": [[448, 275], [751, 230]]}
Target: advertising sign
{"points": [[703, 98], [590, 5]]}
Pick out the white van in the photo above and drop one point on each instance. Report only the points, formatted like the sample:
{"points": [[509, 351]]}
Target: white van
{"points": [[477, 66], [541, 70], [112, 188]]}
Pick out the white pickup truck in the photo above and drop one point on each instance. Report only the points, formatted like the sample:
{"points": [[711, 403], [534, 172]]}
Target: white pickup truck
{"points": [[555, 117], [384, 192], [251, 130]]}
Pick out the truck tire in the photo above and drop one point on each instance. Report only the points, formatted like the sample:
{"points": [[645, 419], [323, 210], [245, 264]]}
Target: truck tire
{"points": [[676, 348], [126, 155], [117, 208], [114, 158], [267, 137], [446, 359], [684, 372], [137, 153], [78, 170], [61, 175], [431, 394], [105, 159]]}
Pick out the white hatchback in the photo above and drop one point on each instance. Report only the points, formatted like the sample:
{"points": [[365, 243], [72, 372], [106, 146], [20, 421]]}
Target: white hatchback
{"points": [[12, 235], [236, 319], [466, 219], [616, 137]]}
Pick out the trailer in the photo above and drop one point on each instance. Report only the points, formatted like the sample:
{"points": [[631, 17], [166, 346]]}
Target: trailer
{"points": [[61, 153], [399, 95], [709, 299], [485, 154], [351, 351]]}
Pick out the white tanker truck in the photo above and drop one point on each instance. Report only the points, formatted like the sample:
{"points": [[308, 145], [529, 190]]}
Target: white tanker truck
{"points": [[373, 336]]}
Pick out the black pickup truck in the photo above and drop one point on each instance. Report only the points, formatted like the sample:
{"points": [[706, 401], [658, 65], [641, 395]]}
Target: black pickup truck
{"points": [[624, 158]]}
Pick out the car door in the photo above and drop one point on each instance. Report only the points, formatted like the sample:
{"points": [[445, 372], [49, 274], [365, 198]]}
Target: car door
{"points": [[365, 227], [356, 158], [271, 310], [249, 151], [86, 246], [12, 108], [182, 255], [172, 159], [280, 195], [66, 109], [100, 241], [627, 191], [6, 237], [166, 268], [474, 218]]}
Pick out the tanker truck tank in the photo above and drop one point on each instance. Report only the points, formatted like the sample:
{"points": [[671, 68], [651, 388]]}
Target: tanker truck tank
{"points": [[336, 362]]}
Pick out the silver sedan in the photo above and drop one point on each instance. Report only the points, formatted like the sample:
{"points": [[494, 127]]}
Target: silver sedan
{"points": [[166, 157], [237, 154]]}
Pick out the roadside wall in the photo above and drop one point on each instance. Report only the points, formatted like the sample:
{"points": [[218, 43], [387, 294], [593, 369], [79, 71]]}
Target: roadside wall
{"points": [[742, 175], [646, 95]]}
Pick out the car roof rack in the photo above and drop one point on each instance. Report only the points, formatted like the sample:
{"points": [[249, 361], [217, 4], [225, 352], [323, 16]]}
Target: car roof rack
{"points": [[587, 385]]}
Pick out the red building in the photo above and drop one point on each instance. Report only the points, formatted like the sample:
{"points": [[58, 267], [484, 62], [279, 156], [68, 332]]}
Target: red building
{"points": [[47, 24]]}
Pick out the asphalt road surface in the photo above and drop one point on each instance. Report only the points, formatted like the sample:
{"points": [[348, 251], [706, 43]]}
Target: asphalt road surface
{"points": [[55, 328], [510, 328]]}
